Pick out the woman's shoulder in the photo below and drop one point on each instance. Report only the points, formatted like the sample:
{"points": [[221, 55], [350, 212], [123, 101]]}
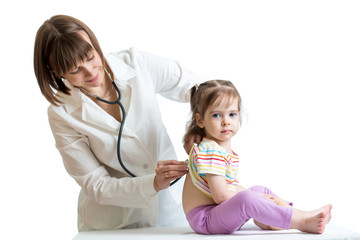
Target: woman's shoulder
{"points": [[68, 105], [57, 111], [127, 55], [68, 102], [135, 57], [125, 63]]}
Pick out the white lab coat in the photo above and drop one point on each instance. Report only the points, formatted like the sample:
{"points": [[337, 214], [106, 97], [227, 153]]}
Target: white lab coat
{"points": [[86, 137]]}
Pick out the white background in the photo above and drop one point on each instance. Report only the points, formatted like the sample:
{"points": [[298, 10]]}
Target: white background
{"points": [[295, 63]]}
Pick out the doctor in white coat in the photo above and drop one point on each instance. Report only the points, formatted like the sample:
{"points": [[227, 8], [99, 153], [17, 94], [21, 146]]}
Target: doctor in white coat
{"points": [[70, 69]]}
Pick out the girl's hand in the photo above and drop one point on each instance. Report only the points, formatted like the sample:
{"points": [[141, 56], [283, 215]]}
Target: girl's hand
{"points": [[167, 171], [276, 200], [194, 139], [270, 197]]}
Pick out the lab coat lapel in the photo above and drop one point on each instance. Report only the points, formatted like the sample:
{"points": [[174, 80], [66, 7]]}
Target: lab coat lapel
{"points": [[93, 114]]}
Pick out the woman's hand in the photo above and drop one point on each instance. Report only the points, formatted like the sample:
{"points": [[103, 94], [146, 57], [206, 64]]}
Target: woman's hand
{"points": [[194, 139], [167, 171]]}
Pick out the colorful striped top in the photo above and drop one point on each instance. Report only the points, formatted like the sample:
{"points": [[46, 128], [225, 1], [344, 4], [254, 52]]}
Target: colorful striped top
{"points": [[210, 157]]}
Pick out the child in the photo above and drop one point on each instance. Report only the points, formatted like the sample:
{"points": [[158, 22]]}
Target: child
{"points": [[213, 201]]}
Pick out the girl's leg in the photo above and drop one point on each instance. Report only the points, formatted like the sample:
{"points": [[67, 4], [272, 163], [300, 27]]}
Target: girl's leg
{"points": [[230, 215], [306, 221], [265, 190], [262, 189], [311, 221], [204, 220], [277, 201]]}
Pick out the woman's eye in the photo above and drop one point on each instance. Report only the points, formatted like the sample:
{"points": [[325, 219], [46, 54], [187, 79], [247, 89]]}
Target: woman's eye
{"points": [[74, 71], [91, 57]]}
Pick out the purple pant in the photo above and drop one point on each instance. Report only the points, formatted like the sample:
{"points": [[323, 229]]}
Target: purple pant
{"points": [[230, 215]]}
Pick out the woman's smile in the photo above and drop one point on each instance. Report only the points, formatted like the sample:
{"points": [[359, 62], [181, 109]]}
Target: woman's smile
{"points": [[95, 78]]}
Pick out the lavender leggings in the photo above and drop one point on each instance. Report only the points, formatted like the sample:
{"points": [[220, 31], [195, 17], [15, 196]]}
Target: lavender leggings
{"points": [[230, 215]]}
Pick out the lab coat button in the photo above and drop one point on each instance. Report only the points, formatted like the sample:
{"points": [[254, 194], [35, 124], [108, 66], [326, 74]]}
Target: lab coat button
{"points": [[145, 166]]}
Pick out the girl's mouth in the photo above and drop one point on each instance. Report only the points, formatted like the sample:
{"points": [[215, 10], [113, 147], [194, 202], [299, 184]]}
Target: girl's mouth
{"points": [[226, 131]]}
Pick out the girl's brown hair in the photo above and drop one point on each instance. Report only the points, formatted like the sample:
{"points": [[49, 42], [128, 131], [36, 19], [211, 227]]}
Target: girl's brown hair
{"points": [[204, 95], [59, 46]]}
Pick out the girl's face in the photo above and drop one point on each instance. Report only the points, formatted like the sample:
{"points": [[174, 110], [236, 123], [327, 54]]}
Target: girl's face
{"points": [[221, 122], [88, 73]]}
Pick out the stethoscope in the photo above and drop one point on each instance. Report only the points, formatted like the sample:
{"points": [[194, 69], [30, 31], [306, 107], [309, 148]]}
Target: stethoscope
{"points": [[118, 101]]}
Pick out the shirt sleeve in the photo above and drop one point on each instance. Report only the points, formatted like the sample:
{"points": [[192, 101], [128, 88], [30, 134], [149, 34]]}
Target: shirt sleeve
{"points": [[211, 161], [169, 78], [91, 175]]}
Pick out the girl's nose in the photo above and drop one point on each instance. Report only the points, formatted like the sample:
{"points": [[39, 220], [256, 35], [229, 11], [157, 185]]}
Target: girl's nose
{"points": [[225, 122]]}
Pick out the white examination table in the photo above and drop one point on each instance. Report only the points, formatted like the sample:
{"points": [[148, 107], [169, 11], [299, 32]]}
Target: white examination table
{"points": [[248, 231]]}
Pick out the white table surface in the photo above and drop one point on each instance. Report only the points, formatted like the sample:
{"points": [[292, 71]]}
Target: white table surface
{"points": [[249, 231]]}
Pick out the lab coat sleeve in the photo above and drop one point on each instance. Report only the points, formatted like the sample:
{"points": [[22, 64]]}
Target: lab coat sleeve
{"points": [[90, 174], [169, 78]]}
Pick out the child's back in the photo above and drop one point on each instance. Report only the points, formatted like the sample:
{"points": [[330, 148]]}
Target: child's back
{"points": [[193, 197]]}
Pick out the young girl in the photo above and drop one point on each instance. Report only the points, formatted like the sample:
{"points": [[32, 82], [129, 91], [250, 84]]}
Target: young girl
{"points": [[213, 200]]}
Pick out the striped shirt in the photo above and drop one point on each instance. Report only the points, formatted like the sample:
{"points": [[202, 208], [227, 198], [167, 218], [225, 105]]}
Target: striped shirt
{"points": [[209, 157]]}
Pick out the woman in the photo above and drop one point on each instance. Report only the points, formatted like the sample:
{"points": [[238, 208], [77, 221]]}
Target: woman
{"points": [[72, 72]]}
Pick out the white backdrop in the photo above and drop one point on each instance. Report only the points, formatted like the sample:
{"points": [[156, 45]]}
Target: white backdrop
{"points": [[295, 63]]}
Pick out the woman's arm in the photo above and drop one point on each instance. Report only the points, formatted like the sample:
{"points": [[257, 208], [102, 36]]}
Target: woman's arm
{"points": [[169, 78], [92, 176]]}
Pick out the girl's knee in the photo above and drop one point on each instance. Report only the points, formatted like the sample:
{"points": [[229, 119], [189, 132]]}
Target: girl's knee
{"points": [[262, 189], [245, 196], [244, 202]]}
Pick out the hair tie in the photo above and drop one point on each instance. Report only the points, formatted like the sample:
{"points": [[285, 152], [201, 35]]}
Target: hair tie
{"points": [[196, 86]]}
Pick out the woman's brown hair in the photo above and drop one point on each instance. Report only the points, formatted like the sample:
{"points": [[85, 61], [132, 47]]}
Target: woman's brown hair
{"points": [[59, 46], [204, 95]]}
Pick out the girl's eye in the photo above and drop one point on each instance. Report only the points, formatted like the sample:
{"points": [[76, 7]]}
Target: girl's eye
{"points": [[216, 115], [232, 114]]}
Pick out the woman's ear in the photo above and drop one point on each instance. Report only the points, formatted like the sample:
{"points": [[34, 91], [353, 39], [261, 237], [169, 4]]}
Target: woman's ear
{"points": [[199, 120]]}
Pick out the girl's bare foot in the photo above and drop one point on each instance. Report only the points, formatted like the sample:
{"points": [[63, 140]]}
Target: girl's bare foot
{"points": [[328, 216], [312, 221]]}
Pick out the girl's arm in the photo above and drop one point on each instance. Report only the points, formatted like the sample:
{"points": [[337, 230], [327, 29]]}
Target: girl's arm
{"points": [[218, 188]]}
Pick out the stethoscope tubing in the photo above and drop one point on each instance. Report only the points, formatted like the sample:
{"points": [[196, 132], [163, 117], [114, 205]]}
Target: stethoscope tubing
{"points": [[118, 101]]}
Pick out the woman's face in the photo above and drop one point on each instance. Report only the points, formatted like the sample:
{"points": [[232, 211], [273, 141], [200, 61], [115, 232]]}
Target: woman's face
{"points": [[88, 73]]}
